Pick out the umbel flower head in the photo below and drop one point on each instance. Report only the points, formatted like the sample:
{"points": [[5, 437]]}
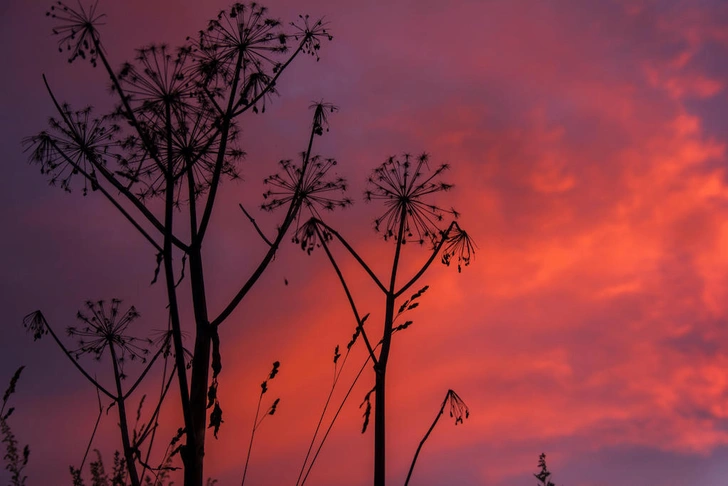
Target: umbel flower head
{"points": [[309, 184], [158, 78], [310, 32], [458, 245], [458, 409], [76, 30], [245, 32], [404, 185], [307, 235], [179, 128], [104, 326], [195, 147], [75, 144]]}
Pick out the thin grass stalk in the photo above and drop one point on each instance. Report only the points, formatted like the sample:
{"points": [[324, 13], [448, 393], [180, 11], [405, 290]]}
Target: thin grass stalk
{"points": [[93, 433], [333, 420], [337, 375], [151, 430], [252, 437]]}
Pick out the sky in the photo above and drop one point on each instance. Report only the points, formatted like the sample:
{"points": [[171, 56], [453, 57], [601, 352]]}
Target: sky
{"points": [[588, 148]]}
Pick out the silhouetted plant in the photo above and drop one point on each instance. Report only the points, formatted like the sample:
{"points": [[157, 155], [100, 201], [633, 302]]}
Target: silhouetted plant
{"points": [[338, 370], [404, 186], [99, 477], [174, 138], [271, 411], [15, 458], [544, 474], [104, 327], [458, 410]]}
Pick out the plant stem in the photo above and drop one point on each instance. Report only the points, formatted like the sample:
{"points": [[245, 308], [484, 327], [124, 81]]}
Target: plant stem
{"points": [[381, 368], [193, 469], [252, 436], [422, 442], [123, 425]]}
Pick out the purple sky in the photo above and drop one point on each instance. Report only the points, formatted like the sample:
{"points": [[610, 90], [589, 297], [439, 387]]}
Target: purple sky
{"points": [[588, 150]]}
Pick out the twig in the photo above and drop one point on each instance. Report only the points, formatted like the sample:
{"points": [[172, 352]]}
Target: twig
{"points": [[256, 226]]}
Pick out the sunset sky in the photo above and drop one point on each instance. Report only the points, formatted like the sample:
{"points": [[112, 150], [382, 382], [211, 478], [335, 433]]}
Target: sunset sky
{"points": [[588, 144]]}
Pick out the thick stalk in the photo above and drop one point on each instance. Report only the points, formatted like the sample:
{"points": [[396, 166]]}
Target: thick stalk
{"points": [[187, 452], [201, 356], [123, 424], [200, 359], [381, 368], [379, 429]]}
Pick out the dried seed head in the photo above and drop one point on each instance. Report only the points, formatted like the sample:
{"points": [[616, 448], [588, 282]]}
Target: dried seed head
{"points": [[458, 244], [103, 326], [458, 409], [403, 185], [76, 29]]}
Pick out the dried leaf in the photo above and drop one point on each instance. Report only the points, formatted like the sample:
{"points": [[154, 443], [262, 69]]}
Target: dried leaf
{"points": [[216, 418], [212, 393], [160, 257]]}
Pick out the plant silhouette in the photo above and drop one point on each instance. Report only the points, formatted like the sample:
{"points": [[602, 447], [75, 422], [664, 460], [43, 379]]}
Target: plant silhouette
{"points": [[458, 410], [160, 157], [103, 330], [544, 473], [16, 459], [404, 185]]}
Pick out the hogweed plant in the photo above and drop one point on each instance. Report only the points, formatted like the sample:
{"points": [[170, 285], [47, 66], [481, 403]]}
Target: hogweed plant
{"points": [[160, 156], [103, 330], [405, 187]]}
